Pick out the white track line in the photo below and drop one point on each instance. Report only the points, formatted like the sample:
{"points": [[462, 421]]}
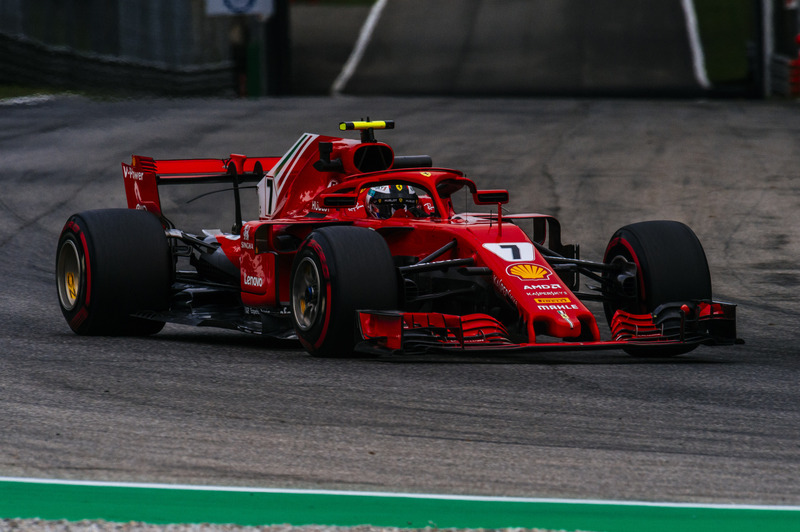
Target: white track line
{"points": [[477, 498], [358, 51], [27, 100], [698, 57]]}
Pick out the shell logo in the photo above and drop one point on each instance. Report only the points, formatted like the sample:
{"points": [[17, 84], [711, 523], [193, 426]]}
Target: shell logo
{"points": [[528, 271]]}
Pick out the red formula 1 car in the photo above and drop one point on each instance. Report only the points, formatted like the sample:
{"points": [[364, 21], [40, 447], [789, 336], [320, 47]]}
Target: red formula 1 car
{"points": [[358, 249]]}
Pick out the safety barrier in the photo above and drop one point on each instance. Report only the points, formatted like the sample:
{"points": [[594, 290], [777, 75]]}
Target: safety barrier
{"points": [[65, 67]]}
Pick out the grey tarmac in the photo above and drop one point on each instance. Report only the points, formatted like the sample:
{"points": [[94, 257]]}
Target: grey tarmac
{"points": [[213, 407]]}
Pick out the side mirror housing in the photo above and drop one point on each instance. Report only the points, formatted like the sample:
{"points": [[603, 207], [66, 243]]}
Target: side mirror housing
{"points": [[490, 197]]}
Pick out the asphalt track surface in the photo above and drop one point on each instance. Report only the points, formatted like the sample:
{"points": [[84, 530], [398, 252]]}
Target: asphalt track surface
{"points": [[486, 47], [213, 407]]}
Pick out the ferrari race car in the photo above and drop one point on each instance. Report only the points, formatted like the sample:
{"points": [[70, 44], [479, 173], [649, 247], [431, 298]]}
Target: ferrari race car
{"points": [[356, 249]]}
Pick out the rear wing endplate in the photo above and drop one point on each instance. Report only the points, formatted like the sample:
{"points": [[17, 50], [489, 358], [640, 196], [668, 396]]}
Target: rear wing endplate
{"points": [[144, 175]]}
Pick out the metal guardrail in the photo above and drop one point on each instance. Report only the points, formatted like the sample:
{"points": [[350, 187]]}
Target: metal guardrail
{"points": [[65, 67]]}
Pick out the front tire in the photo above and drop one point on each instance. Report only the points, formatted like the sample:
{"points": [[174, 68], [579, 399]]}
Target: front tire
{"points": [[337, 271], [111, 263], [671, 266]]}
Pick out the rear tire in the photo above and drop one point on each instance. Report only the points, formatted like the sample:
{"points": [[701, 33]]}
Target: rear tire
{"points": [[671, 266], [111, 263], [337, 271]]}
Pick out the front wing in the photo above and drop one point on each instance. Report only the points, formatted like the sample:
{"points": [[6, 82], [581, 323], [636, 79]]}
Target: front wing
{"points": [[675, 324]]}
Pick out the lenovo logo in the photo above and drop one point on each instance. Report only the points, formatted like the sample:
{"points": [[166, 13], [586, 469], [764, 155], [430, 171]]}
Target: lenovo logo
{"points": [[251, 280]]}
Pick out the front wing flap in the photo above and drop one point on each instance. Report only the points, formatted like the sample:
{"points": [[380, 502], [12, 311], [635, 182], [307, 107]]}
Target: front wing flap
{"points": [[694, 323], [703, 322]]}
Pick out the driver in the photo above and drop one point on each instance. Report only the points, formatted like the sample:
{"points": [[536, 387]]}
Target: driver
{"points": [[383, 201]]}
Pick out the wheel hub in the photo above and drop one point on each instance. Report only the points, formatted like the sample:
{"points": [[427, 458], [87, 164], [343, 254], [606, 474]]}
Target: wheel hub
{"points": [[68, 275], [307, 302]]}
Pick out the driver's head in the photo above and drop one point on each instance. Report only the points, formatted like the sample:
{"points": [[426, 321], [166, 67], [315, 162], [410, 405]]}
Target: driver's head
{"points": [[383, 201]]}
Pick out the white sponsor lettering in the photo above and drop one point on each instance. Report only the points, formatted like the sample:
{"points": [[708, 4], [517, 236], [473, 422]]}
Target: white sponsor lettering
{"points": [[129, 173], [315, 206], [250, 280], [540, 293]]}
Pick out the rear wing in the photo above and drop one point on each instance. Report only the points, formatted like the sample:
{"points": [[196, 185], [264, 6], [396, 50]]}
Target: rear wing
{"points": [[144, 175]]}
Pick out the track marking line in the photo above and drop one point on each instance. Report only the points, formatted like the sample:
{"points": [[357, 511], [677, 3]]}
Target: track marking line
{"points": [[27, 100], [358, 51], [698, 57]]}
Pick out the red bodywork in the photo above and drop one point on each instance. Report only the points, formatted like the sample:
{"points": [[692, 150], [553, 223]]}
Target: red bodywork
{"points": [[323, 181]]}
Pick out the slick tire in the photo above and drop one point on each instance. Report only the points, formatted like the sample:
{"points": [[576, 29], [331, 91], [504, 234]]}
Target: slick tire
{"points": [[671, 266], [337, 271], [111, 263]]}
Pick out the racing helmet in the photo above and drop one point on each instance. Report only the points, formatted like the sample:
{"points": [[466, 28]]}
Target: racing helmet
{"points": [[384, 200]]}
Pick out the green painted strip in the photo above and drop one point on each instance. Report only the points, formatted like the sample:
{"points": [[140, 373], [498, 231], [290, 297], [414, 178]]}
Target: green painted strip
{"points": [[161, 505], [288, 155]]}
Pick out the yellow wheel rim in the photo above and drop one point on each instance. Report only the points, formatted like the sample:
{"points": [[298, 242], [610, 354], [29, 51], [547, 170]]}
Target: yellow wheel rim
{"points": [[69, 269]]}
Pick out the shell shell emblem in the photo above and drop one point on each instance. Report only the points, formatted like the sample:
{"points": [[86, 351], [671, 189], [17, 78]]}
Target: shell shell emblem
{"points": [[528, 272]]}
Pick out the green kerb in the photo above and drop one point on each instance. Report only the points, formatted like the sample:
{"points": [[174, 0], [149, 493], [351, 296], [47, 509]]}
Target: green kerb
{"points": [[156, 505]]}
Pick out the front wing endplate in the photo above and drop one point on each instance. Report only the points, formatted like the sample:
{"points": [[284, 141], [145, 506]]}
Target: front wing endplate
{"points": [[694, 323]]}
